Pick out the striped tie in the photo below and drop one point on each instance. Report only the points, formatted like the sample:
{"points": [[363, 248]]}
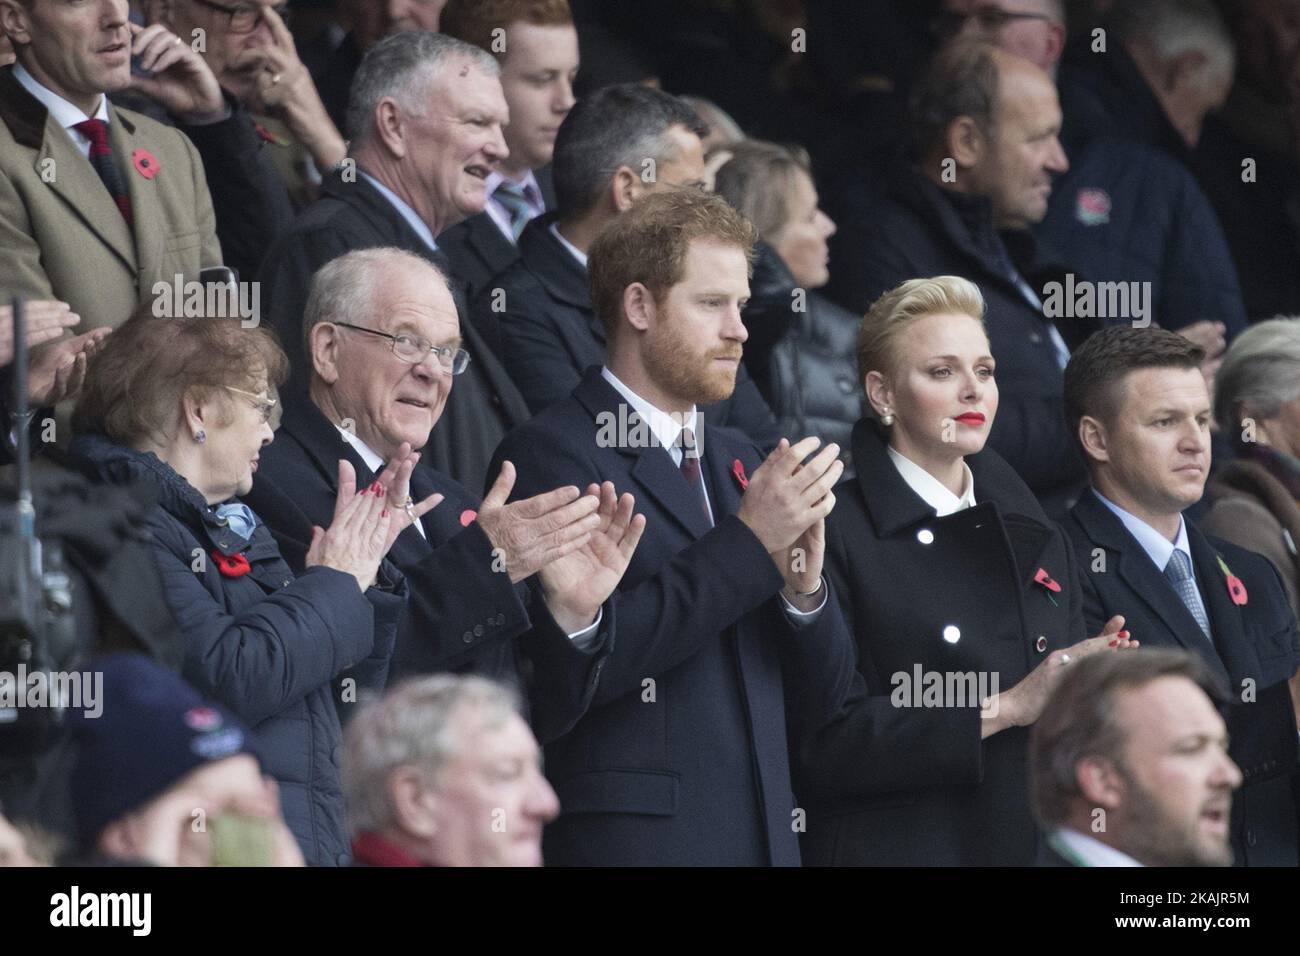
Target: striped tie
{"points": [[512, 197], [1179, 573], [101, 157]]}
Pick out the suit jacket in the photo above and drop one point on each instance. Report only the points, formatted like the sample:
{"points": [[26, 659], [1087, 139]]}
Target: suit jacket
{"points": [[682, 758], [902, 780], [1256, 642], [478, 250], [63, 235], [550, 334], [463, 615], [354, 215], [920, 229]]}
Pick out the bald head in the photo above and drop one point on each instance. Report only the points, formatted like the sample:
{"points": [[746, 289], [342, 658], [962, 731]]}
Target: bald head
{"points": [[987, 124]]}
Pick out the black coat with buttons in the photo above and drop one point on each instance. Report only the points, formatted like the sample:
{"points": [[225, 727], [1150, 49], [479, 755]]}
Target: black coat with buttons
{"points": [[1255, 650], [902, 778], [464, 613], [264, 643]]}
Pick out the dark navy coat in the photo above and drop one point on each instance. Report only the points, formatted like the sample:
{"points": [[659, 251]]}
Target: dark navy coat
{"points": [[682, 759], [265, 644], [1256, 642]]}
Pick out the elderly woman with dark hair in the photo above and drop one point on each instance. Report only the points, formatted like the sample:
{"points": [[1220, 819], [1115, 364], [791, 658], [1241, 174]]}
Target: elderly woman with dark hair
{"points": [[184, 405], [1255, 499], [807, 376]]}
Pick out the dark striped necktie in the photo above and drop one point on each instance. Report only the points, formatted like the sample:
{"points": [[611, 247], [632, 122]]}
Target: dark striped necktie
{"points": [[101, 157], [515, 200], [690, 468]]}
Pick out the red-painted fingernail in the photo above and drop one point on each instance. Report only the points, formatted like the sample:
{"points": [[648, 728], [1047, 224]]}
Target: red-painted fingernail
{"points": [[384, 513], [1124, 634], [1114, 643]]}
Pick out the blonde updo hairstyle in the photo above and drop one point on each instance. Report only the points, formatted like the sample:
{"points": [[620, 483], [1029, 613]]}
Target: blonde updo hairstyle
{"points": [[879, 347]]}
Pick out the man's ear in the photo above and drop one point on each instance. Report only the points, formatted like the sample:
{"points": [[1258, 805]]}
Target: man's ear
{"points": [[879, 392], [390, 126], [1093, 438], [414, 804], [639, 307], [625, 188], [1100, 782], [966, 142], [14, 23], [324, 343], [1055, 43]]}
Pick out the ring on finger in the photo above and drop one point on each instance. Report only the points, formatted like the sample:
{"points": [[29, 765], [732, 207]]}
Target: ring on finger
{"points": [[276, 79], [409, 507], [1065, 659]]}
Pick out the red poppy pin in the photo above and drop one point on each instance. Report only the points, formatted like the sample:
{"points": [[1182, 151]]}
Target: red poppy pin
{"points": [[266, 136], [231, 565], [738, 469], [467, 517], [146, 163], [1043, 578], [1236, 590]]}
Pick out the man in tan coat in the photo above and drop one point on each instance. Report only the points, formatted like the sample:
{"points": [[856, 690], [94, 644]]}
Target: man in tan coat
{"points": [[92, 214]]}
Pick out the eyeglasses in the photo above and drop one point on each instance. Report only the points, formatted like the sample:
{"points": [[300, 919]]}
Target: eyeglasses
{"points": [[245, 17], [264, 406], [990, 19], [412, 349]]}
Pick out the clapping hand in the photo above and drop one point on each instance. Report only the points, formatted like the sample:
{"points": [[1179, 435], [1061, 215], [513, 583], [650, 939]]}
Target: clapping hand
{"points": [[577, 584], [358, 537], [46, 320]]}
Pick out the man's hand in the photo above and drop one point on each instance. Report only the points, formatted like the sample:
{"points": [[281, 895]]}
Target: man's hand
{"points": [[283, 88], [785, 499], [46, 320], [577, 584], [182, 81], [56, 370], [530, 534]]}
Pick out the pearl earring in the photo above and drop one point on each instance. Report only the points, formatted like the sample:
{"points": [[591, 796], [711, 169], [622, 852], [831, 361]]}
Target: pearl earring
{"points": [[201, 436], [887, 419]]}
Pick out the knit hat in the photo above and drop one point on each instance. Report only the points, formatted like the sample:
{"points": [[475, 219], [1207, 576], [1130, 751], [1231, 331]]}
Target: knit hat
{"points": [[153, 729]]}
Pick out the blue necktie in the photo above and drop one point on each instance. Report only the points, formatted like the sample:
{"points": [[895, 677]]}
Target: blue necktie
{"points": [[1179, 573]]}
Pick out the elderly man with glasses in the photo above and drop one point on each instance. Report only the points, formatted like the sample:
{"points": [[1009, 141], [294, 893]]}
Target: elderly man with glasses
{"points": [[508, 591]]}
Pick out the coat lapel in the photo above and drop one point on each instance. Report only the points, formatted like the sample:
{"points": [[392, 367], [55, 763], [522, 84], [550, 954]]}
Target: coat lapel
{"points": [[1236, 652], [77, 184], [146, 211], [1147, 582]]}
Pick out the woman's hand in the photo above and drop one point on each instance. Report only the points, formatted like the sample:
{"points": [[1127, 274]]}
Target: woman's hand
{"points": [[358, 537], [395, 482], [1021, 705]]}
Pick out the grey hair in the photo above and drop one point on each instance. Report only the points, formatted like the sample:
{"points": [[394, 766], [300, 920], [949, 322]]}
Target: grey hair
{"points": [[1174, 27], [346, 289], [621, 125], [412, 725], [1260, 372], [402, 67]]}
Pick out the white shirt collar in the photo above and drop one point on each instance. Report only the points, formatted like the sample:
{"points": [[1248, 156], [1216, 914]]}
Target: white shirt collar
{"points": [[412, 218], [65, 114], [573, 250], [930, 489], [665, 426], [1091, 851], [1158, 548]]}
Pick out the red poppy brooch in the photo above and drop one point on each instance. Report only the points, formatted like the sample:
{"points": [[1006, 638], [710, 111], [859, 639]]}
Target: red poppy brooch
{"points": [[1049, 586], [738, 470], [231, 565], [146, 163], [1236, 590]]}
